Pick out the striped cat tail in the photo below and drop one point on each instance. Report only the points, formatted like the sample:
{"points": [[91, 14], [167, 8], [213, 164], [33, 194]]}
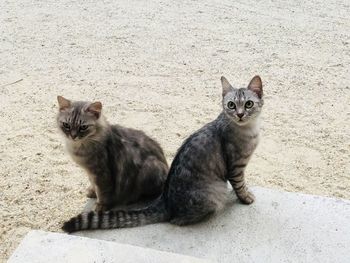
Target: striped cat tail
{"points": [[151, 214]]}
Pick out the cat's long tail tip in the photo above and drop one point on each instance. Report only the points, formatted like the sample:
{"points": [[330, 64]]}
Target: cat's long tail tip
{"points": [[69, 226], [154, 213]]}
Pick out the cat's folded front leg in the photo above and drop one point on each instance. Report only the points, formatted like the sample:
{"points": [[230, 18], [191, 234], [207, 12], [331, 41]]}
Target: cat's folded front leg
{"points": [[236, 178], [105, 194]]}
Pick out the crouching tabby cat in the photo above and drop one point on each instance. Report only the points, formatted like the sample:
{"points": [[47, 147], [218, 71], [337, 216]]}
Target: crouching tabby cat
{"points": [[123, 165], [196, 186]]}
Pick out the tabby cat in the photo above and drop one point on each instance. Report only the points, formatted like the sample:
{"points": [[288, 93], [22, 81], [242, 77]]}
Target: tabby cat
{"points": [[123, 165], [196, 186]]}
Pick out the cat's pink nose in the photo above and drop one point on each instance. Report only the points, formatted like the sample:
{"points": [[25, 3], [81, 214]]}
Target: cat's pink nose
{"points": [[73, 135], [240, 115]]}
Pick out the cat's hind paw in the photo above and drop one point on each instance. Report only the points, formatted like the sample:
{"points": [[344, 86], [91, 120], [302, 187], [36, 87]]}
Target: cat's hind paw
{"points": [[90, 193]]}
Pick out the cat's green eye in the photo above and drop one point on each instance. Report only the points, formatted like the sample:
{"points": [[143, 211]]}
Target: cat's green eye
{"points": [[249, 104], [231, 105], [83, 127], [66, 125]]}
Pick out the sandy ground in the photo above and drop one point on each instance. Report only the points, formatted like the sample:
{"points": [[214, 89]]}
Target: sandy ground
{"points": [[156, 66]]}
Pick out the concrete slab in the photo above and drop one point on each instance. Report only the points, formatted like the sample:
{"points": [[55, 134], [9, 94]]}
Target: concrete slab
{"points": [[278, 227], [43, 247]]}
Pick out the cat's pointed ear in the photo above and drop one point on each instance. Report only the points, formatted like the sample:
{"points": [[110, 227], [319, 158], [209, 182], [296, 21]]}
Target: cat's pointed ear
{"points": [[95, 108], [255, 85], [226, 86], [63, 103]]}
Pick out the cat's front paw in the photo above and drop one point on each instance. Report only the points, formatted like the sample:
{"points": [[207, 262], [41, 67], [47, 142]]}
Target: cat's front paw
{"points": [[102, 207], [247, 198]]}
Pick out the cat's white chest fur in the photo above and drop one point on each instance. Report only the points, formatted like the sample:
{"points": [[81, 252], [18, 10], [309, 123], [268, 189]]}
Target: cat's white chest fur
{"points": [[73, 148], [247, 138]]}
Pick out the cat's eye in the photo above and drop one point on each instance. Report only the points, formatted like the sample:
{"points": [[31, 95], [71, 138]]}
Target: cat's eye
{"points": [[66, 125], [249, 104], [231, 105], [83, 127]]}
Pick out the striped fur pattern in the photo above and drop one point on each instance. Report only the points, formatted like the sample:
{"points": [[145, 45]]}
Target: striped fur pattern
{"points": [[196, 186], [153, 213], [123, 165]]}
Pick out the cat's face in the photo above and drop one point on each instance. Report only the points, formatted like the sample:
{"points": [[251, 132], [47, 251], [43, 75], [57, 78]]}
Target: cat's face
{"points": [[242, 105], [78, 120]]}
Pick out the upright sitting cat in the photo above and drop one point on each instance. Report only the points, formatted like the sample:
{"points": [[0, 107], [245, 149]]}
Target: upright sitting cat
{"points": [[196, 186], [123, 165]]}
